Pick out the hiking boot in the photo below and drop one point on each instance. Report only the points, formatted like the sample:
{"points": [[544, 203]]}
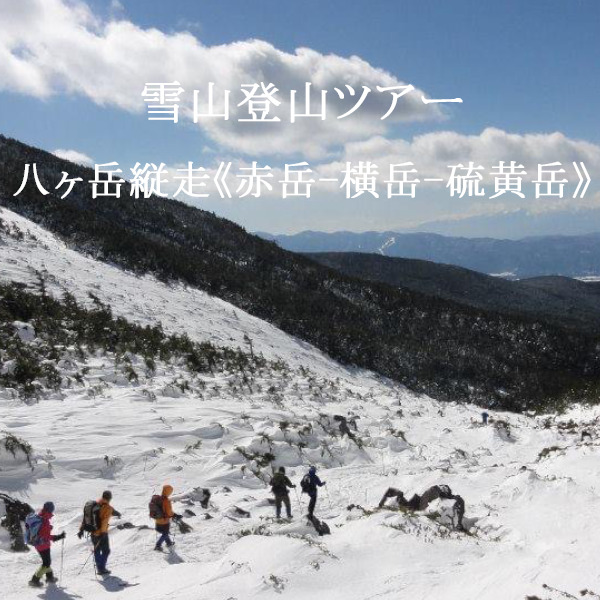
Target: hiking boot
{"points": [[35, 582], [158, 548], [50, 578], [103, 572]]}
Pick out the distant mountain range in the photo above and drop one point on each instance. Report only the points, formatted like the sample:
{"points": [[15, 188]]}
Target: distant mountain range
{"points": [[518, 224], [569, 256]]}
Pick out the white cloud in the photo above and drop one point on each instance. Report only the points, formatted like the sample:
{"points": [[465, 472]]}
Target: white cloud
{"points": [[51, 46], [588, 202], [59, 46], [74, 156], [433, 153]]}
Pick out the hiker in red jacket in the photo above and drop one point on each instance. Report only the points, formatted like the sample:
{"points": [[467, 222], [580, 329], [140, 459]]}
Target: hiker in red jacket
{"points": [[41, 538]]}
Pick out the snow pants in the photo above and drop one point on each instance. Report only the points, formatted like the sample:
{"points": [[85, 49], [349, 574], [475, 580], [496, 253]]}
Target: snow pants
{"points": [[101, 550], [46, 563], [283, 499]]}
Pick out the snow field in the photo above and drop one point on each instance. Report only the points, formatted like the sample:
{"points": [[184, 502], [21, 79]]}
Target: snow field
{"points": [[531, 496]]}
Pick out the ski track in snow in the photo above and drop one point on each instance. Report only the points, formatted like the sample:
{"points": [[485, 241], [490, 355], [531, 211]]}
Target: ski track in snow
{"points": [[387, 244], [534, 518]]}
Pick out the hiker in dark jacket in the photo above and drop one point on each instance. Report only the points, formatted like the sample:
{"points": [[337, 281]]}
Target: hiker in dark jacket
{"points": [[311, 489], [42, 543], [279, 485]]}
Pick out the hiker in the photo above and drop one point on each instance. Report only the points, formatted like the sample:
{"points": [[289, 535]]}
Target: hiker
{"points": [[99, 536], [161, 510], [279, 486], [39, 535], [484, 417], [309, 484], [422, 502]]}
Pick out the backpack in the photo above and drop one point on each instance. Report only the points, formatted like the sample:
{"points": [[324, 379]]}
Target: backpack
{"points": [[91, 516], [278, 484], [33, 525], [305, 484], [155, 507]]}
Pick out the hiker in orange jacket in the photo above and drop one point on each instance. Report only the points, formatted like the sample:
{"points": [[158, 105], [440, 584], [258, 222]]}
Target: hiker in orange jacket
{"points": [[99, 537], [163, 522]]}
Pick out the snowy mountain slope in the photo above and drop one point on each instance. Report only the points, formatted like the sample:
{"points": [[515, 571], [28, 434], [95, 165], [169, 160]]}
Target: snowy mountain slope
{"points": [[531, 495], [144, 299]]}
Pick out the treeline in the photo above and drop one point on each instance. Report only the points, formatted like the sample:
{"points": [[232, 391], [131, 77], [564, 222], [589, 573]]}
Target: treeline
{"points": [[63, 326]]}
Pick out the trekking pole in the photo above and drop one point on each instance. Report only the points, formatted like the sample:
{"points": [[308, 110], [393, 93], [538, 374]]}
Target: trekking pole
{"points": [[62, 559], [94, 561], [86, 562], [93, 550]]}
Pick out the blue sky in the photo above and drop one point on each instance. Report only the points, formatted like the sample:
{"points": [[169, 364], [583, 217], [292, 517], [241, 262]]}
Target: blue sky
{"points": [[522, 67]]}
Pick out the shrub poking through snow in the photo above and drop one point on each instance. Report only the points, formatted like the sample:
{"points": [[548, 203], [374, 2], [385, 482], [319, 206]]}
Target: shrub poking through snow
{"points": [[28, 364], [16, 447], [15, 513], [547, 451]]}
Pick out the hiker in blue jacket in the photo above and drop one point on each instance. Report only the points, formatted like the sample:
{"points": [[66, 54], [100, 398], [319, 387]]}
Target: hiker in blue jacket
{"points": [[310, 483]]}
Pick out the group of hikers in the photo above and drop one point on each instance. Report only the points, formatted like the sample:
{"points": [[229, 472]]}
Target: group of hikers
{"points": [[95, 522], [97, 516], [96, 519], [281, 484]]}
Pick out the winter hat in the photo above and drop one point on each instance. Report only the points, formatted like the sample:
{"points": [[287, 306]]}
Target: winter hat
{"points": [[107, 495], [312, 470], [282, 469], [48, 507]]}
